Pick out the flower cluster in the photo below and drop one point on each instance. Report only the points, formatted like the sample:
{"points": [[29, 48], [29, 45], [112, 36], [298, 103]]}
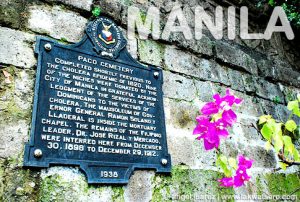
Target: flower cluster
{"points": [[216, 117], [240, 175], [213, 124]]}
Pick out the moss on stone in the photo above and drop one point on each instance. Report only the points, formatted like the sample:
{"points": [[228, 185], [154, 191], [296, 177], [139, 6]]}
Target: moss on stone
{"points": [[259, 186], [118, 194], [52, 189], [65, 184], [290, 95], [18, 183], [11, 12], [126, 2], [2, 175], [186, 184], [184, 119], [283, 184], [9, 109], [151, 52]]}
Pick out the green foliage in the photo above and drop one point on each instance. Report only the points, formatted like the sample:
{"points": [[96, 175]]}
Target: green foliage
{"points": [[96, 11], [294, 107], [279, 135], [291, 8], [290, 125], [276, 100], [227, 165]]}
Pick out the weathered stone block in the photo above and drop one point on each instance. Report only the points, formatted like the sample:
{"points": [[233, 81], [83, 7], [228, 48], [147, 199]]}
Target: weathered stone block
{"points": [[150, 52], [178, 87], [112, 8], [13, 136], [85, 5], [249, 130], [265, 68], [262, 157], [204, 91], [56, 22], [180, 146], [189, 185], [16, 48], [186, 150], [16, 94], [249, 82], [287, 75], [179, 61], [19, 184], [236, 80], [249, 107], [279, 71], [10, 12], [269, 91], [283, 184], [235, 56], [212, 71], [180, 114], [139, 187], [203, 46], [290, 93], [68, 184], [278, 111]]}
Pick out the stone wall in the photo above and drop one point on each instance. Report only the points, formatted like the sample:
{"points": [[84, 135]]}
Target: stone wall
{"points": [[266, 74]]}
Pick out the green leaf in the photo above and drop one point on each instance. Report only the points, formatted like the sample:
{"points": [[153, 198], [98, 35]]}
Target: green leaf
{"points": [[296, 154], [268, 146], [277, 137], [222, 163], [232, 162], [96, 11], [223, 159], [271, 2], [267, 131], [283, 165], [278, 144], [264, 119], [297, 112], [291, 125], [292, 105], [288, 145]]}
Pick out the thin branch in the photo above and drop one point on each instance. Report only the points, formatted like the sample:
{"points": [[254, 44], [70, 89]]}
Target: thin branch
{"points": [[280, 154], [296, 190]]}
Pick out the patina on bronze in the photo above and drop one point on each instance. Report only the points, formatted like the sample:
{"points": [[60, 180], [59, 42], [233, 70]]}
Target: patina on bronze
{"points": [[97, 108]]}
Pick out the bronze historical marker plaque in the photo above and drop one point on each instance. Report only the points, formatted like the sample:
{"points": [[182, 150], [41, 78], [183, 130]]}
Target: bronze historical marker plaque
{"points": [[97, 108]]}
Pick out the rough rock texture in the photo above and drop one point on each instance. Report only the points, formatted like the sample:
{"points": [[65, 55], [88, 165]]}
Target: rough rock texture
{"points": [[85, 5], [16, 48], [264, 73], [10, 11], [56, 22]]}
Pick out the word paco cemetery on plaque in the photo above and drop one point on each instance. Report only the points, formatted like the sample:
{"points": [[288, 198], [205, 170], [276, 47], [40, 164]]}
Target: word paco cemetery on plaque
{"points": [[97, 108]]}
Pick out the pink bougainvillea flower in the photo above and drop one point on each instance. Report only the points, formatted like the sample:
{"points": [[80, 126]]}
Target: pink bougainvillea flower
{"points": [[210, 141], [203, 124], [227, 101], [216, 117], [229, 117], [241, 176], [226, 182], [245, 162], [210, 108], [210, 132]]}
